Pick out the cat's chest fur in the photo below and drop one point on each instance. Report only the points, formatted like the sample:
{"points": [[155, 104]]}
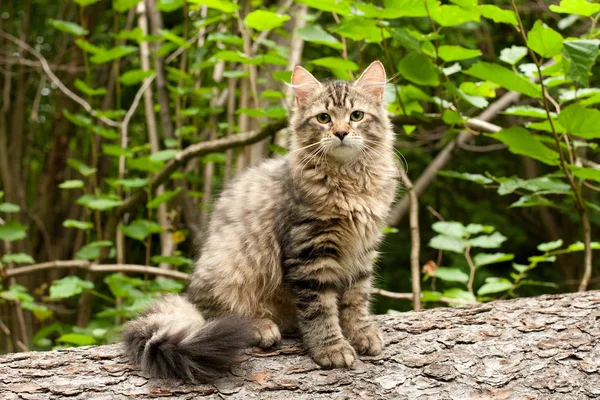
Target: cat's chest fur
{"points": [[359, 201]]}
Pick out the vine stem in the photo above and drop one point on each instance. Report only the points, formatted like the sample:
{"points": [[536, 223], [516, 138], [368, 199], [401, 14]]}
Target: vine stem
{"points": [[587, 237]]}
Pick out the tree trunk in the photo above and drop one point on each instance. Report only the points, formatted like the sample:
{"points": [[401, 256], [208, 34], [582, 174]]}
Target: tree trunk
{"points": [[531, 348]]}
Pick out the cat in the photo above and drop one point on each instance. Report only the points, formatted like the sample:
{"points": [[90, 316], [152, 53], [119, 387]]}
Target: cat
{"points": [[290, 244]]}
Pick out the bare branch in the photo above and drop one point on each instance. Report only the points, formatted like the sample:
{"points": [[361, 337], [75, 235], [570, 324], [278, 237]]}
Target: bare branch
{"points": [[415, 240], [58, 82], [87, 266], [198, 150]]}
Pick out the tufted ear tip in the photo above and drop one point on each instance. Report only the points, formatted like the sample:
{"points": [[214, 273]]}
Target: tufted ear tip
{"points": [[373, 79], [303, 83]]}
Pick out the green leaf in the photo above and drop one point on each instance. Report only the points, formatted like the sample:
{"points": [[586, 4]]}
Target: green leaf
{"points": [[474, 229], [335, 63], [103, 204], [169, 5], [504, 77], [72, 184], [429, 296], [77, 339], [262, 20], [72, 223], [451, 275], [527, 111], [580, 56], [455, 229], [135, 76], [16, 293], [482, 259], [235, 56], [69, 286], [124, 286], [592, 174], [419, 69], [77, 119], [19, 258], [12, 230], [226, 38], [68, 27], [532, 201], [129, 183], [512, 55], [9, 208], [81, 167], [166, 196], [171, 37], [579, 121], [545, 247], [88, 47], [484, 89], [456, 53], [85, 3], [85, 89], [140, 229], [541, 185], [112, 54], [578, 7], [477, 178], [124, 5], [115, 150], [221, 5], [176, 261], [498, 14], [91, 251], [359, 28], [477, 101], [144, 164], [577, 94], [316, 34], [166, 285], [449, 243], [459, 294], [544, 40], [492, 241], [341, 7], [106, 133], [447, 15], [163, 155], [494, 285], [521, 141]]}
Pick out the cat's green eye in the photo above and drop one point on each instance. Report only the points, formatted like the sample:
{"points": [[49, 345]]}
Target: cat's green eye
{"points": [[357, 115], [323, 118]]}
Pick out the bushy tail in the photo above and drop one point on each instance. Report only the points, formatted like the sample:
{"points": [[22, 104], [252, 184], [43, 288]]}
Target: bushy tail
{"points": [[171, 339]]}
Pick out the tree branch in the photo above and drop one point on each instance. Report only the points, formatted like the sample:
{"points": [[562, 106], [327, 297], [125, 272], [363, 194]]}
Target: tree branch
{"points": [[198, 150], [88, 266]]}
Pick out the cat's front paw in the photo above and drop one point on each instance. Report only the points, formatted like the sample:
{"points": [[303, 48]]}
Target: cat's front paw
{"points": [[340, 355], [266, 333], [368, 341]]}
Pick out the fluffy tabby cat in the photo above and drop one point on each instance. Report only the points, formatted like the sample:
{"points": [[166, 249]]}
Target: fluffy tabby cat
{"points": [[290, 244]]}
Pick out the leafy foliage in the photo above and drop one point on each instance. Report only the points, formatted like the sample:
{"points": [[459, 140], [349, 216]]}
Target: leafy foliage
{"points": [[217, 68]]}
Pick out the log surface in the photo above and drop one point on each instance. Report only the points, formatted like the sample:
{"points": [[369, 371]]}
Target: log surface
{"points": [[530, 348]]}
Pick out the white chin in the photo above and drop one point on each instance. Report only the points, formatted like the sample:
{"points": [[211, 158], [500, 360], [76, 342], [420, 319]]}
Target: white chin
{"points": [[343, 152]]}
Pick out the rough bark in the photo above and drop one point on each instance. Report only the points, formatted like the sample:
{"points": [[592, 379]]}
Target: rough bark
{"points": [[531, 348]]}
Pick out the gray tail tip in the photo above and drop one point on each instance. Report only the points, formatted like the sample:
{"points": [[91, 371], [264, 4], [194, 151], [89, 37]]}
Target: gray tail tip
{"points": [[201, 356]]}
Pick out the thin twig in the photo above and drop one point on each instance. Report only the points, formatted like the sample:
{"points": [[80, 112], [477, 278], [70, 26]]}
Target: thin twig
{"points": [[472, 269], [409, 296], [415, 241], [46, 67]]}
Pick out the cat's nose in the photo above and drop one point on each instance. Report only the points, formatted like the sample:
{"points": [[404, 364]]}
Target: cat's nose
{"points": [[341, 135]]}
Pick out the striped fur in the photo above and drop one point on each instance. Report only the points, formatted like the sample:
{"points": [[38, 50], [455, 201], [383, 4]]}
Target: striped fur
{"points": [[291, 242]]}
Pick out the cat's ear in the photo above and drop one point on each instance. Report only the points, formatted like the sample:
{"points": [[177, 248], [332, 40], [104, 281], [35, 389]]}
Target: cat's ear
{"points": [[303, 83], [373, 80]]}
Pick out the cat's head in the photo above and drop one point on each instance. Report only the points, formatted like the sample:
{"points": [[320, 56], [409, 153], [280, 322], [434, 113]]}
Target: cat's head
{"points": [[343, 120]]}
